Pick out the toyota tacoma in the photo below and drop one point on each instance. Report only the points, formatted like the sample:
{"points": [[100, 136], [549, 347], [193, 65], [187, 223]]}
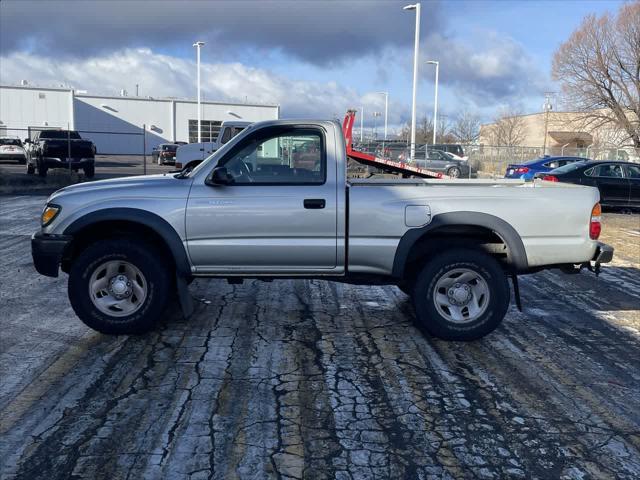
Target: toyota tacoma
{"points": [[275, 202]]}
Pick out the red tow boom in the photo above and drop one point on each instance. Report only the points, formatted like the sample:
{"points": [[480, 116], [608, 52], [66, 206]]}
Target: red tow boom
{"points": [[383, 163]]}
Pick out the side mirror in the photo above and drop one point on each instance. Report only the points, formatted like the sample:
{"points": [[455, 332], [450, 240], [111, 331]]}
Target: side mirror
{"points": [[219, 176]]}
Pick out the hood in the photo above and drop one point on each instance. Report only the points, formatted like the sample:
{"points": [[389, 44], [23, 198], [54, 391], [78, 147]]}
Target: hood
{"points": [[139, 186]]}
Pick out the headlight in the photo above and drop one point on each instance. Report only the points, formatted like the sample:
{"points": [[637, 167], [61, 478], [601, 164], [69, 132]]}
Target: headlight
{"points": [[49, 213]]}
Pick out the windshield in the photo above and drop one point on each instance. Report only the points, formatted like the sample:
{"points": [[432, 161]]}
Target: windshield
{"points": [[60, 134], [569, 167], [170, 148], [10, 141]]}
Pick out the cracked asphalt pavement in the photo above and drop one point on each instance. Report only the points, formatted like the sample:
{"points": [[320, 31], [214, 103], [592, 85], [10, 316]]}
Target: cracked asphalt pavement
{"points": [[310, 379]]}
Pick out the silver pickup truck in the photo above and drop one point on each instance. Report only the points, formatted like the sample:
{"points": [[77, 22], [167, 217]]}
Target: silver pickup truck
{"points": [[275, 202]]}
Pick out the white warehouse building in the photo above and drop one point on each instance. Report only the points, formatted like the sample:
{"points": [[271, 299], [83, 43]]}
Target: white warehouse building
{"points": [[116, 124]]}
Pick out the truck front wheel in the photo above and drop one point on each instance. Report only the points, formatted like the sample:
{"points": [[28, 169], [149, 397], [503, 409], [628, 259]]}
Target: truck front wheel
{"points": [[462, 294], [119, 286]]}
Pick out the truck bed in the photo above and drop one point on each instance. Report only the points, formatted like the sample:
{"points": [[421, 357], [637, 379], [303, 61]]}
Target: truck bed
{"points": [[543, 214]]}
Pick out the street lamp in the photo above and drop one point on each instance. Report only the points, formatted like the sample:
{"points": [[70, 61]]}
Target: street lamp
{"points": [[435, 104], [375, 124], [199, 45], [386, 111], [415, 7]]}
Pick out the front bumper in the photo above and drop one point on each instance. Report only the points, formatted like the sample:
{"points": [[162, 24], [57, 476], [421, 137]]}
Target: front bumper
{"points": [[47, 251]]}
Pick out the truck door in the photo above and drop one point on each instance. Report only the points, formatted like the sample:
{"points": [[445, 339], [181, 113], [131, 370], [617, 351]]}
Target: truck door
{"points": [[278, 212]]}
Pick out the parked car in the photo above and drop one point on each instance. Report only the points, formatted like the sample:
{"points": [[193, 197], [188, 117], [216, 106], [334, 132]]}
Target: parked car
{"points": [[439, 161], [191, 155], [618, 182], [164, 154], [527, 170], [252, 211], [11, 148], [60, 149]]}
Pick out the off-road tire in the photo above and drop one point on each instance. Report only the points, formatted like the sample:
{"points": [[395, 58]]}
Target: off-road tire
{"points": [[144, 257], [430, 319], [89, 171], [31, 169]]}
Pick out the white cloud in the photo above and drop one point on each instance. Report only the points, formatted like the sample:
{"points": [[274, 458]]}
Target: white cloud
{"points": [[167, 76]]}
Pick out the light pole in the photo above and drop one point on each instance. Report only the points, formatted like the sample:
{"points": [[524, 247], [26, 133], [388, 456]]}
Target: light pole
{"points": [[375, 124], [386, 111], [199, 45], [435, 104], [415, 7]]}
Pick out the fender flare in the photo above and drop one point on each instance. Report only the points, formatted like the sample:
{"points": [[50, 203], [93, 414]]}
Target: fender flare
{"points": [[504, 230], [142, 217]]}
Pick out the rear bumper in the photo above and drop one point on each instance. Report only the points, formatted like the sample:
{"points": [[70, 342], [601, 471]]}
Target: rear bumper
{"points": [[47, 251], [13, 156], [76, 163]]}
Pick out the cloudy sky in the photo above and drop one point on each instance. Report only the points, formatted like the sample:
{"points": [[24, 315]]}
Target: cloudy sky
{"points": [[314, 58]]}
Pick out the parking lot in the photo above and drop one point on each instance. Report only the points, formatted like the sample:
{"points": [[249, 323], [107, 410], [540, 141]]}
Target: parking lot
{"points": [[107, 166], [311, 379]]}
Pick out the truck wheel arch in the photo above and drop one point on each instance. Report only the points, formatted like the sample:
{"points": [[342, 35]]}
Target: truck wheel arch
{"points": [[517, 255], [141, 218]]}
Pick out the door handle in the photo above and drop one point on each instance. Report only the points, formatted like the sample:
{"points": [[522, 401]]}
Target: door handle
{"points": [[314, 203]]}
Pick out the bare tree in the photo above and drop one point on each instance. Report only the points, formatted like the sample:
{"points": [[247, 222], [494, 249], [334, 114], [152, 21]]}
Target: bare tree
{"points": [[424, 130], [599, 69], [508, 129], [466, 128]]}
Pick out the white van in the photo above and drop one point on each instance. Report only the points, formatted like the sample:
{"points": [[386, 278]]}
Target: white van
{"points": [[192, 154]]}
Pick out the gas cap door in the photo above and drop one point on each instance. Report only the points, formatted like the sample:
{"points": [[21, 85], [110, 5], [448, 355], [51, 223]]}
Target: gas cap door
{"points": [[417, 215]]}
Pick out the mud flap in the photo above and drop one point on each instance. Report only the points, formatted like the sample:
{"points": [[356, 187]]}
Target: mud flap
{"points": [[186, 301], [516, 291]]}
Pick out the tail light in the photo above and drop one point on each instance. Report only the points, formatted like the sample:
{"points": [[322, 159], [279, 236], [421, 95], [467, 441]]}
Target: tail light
{"points": [[550, 178], [522, 170], [178, 165], [595, 227]]}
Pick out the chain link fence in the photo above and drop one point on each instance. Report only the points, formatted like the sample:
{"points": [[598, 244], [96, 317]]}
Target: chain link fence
{"points": [[115, 153], [484, 161], [135, 152]]}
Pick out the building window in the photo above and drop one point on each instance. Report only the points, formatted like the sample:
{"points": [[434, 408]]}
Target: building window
{"points": [[209, 130]]}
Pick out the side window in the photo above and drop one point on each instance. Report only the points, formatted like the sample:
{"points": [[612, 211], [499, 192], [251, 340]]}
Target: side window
{"points": [[590, 172], [554, 164], [294, 157], [633, 171], [226, 136], [608, 171]]}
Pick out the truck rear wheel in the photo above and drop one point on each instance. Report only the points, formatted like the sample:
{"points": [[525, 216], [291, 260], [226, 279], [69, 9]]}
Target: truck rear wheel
{"points": [[462, 294], [118, 286], [42, 169]]}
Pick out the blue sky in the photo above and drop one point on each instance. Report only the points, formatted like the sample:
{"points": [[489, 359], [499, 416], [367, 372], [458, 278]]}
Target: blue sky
{"points": [[314, 58]]}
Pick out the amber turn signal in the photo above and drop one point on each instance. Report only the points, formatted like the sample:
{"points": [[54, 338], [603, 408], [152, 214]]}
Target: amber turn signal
{"points": [[48, 214]]}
